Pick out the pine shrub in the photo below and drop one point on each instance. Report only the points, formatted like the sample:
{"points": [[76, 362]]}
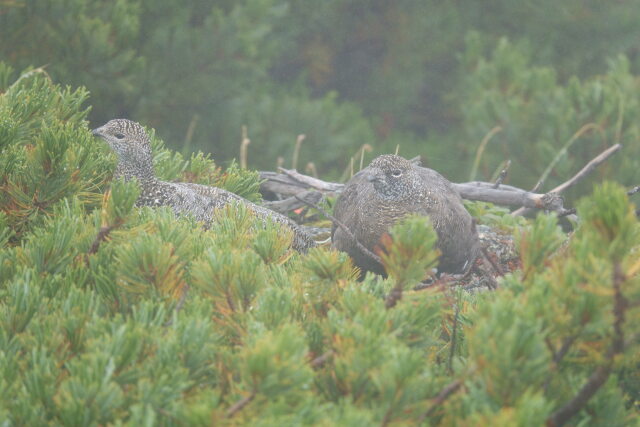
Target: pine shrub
{"points": [[111, 314]]}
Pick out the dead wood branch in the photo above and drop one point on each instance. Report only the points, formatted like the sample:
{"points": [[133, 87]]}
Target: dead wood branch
{"points": [[502, 175], [440, 398], [510, 197], [240, 404], [290, 183], [311, 182], [322, 359], [294, 183], [293, 203], [394, 295], [586, 170]]}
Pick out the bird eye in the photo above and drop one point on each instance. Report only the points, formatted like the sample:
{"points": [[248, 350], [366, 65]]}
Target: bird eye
{"points": [[118, 135], [396, 173]]}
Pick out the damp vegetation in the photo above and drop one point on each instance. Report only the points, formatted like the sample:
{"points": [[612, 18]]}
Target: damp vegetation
{"points": [[112, 314]]}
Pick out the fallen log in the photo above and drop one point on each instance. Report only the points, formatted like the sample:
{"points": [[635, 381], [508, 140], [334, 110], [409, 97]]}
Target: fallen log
{"points": [[293, 186]]}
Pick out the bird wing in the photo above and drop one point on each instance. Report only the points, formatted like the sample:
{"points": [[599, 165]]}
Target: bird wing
{"points": [[457, 235], [210, 198], [345, 209]]}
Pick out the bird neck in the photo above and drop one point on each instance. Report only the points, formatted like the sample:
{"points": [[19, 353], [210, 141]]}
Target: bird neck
{"points": [[138, 167]]}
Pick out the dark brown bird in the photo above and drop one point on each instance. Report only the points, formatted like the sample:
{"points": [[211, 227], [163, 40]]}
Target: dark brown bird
{"points": [[132, 145], [390, 188]]}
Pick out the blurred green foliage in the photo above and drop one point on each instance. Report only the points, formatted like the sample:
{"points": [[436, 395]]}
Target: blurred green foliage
{"points": [[432, 77], [114, 315]]}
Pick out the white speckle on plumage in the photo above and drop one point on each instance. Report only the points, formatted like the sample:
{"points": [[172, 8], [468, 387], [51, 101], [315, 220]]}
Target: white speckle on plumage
{"points": [[131, 143]]}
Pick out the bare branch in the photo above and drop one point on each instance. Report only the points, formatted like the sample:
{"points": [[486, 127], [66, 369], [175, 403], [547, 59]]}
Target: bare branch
{"points": [[322, 359], [586, 170], [441, 398], [502, 175], [183, 298], [292, 203], [291, 182], [393, 297], [309, 181], [240, 404], [296, 150], [584, 129], [244, 147], [510, 197], [100, 237]]}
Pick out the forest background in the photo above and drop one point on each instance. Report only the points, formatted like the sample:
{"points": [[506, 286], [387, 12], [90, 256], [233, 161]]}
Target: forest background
{"points": [[465, 84]]}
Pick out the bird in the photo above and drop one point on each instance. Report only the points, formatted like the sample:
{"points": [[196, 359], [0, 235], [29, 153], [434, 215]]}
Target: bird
{"points": [[387, 190], [132, 145]]}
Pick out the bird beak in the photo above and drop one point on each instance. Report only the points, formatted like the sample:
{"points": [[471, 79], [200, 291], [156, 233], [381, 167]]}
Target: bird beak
{"points": [[374, 177], [97, 132]]}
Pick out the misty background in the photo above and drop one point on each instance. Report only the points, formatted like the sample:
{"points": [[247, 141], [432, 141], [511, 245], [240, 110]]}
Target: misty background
{"points": [[465, 84]]}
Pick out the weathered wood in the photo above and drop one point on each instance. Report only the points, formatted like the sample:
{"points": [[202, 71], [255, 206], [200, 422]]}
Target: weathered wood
{"points": [[510, 197], [586, 170], [310, 181], [294, 202], [289, 183]]}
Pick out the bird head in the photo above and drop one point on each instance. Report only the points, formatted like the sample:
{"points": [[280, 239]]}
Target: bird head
{"points": [[392, 176], [131, 143]]}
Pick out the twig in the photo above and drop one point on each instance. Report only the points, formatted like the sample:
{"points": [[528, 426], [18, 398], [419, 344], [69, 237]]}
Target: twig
{"points": [[565, 148], [310, 181], [536, 187], [566, 345], [444, 279], [586, 170], [480, 151], [291, 182], [244, 146], [473, 191], [393, 297], [311, 169], [39, 70], [567, 212], [502, 175], [454, 334], [440, 398], [190, 130], [240, 404], [179, 306], [296, 150], [368, 149], [492, 263], [559, 355], [601, 374], [322, 359], [344, 228], [100, 237], [292, 203]]}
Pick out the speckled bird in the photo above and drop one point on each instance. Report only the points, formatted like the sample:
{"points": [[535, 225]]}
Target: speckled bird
{"points": [[131, 143], [391, 188]]}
